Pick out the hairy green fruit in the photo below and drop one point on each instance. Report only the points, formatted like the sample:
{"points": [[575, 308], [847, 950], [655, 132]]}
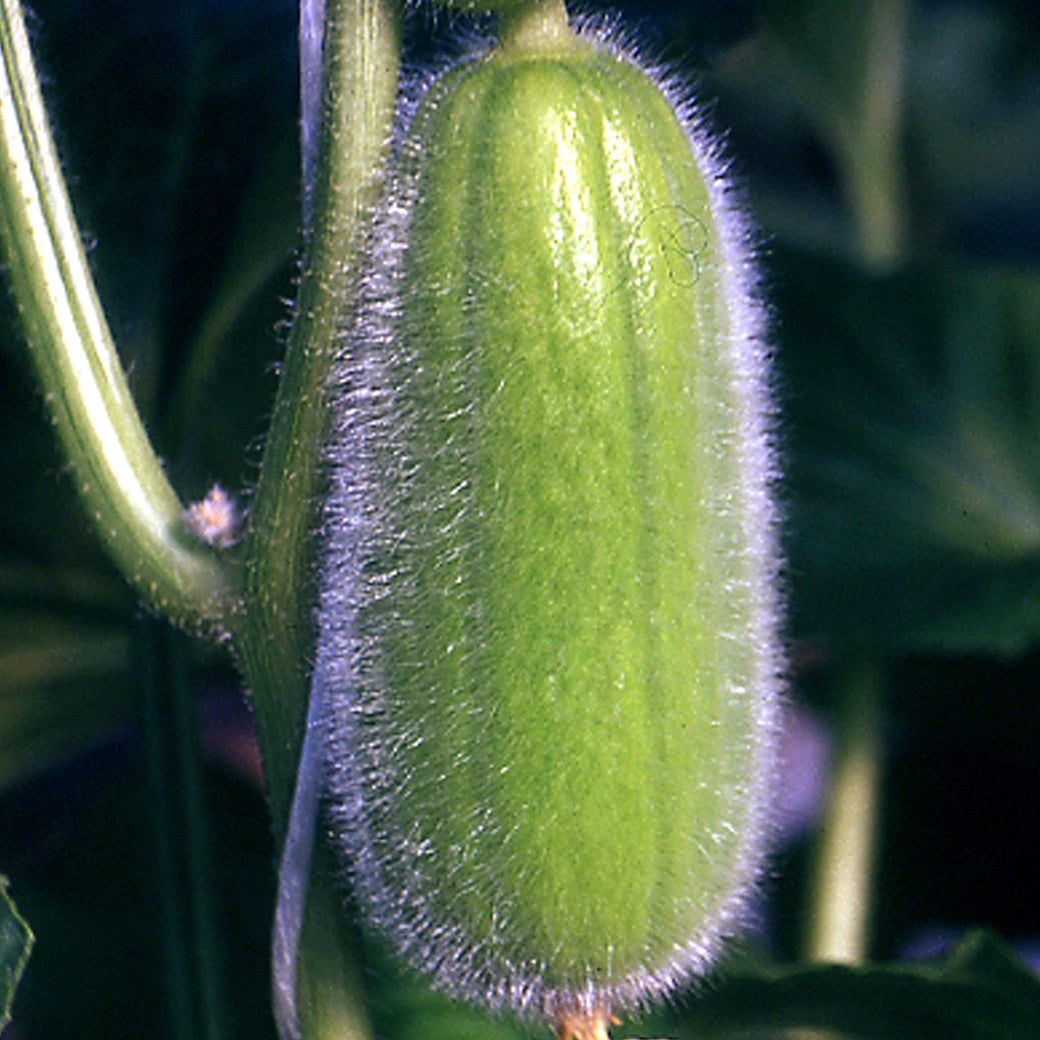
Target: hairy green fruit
{"points": [[547, 621]]}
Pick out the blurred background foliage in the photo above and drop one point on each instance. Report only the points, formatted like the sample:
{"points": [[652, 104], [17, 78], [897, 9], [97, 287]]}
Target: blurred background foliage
{"points": [[891, 154]]}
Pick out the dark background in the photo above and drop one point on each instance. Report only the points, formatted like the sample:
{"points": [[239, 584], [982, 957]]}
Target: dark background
{"points": [[910, 530]]}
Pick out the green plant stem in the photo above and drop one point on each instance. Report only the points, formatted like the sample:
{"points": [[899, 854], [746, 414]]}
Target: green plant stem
{"points": [[353, 121], [331, 998], [120, 480], [871, 147], [362, 56], [839, 925], [183, 851]]}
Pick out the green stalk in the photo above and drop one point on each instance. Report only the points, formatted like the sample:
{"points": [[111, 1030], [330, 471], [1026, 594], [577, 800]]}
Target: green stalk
{"points": [[874, 173], [353, 120], [839, 929], [331, 996], [362, 56], [871, 148], [120, 480]]}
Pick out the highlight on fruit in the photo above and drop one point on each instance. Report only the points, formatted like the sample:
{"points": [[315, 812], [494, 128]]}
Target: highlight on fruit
{"points": [[547, 670]]}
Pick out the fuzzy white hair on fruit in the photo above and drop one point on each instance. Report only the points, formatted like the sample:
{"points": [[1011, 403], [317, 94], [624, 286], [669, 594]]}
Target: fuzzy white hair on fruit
{"points": [[346, 745]]}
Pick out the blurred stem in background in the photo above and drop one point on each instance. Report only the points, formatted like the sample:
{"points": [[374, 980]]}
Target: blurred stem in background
{"points": [[847, 66], [869, 149], [840, 918]]}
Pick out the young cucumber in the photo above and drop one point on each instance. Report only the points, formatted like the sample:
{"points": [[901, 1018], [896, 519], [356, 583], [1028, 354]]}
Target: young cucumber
{"points": [[548, 569]]}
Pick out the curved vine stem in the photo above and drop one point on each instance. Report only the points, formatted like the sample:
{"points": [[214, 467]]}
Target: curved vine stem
{"points": [[120, 480]]}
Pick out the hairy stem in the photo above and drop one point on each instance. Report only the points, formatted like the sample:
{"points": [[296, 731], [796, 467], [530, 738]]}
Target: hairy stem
{"points": [[361, 60], [350, 59], [120, 480]]}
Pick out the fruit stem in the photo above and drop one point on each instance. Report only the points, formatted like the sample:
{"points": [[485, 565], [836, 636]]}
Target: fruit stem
{"points": [[541, 26]]}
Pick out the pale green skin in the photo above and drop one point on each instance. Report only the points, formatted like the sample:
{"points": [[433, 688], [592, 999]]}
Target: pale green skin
{"points": [[568, 664]]}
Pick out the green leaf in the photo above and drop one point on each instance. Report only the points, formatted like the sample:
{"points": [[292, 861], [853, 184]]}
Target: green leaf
{"points": [[16, 940], [64, 684], [913, 418], [981, 992]]}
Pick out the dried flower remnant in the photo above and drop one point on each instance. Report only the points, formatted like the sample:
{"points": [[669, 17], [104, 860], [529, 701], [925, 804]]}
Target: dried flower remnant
{"points": [[214, 520]]}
